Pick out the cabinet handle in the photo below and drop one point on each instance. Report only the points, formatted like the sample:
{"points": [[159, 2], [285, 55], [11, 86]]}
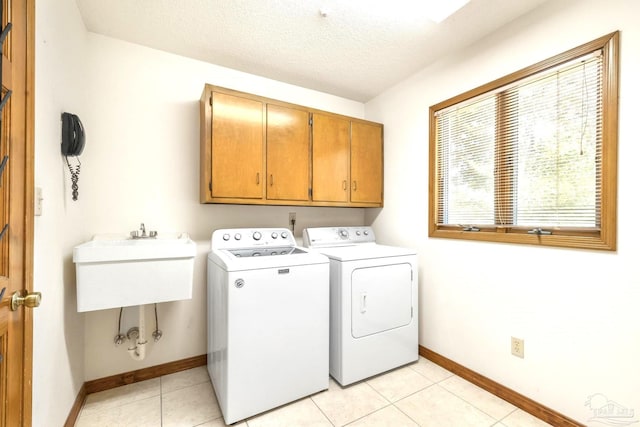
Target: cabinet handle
{"points": [[344, 185], [271, 179], [258, 178], [355, 186]]}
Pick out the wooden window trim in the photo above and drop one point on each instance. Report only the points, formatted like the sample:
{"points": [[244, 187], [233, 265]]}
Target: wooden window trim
{"points": [[603, 239]]}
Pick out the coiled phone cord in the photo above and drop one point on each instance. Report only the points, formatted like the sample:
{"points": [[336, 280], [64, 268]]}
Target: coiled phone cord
{"points": [[75, 174]]}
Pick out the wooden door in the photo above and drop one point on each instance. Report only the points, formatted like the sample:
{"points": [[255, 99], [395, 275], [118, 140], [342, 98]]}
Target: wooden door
{"points": [[287, 153], [330, 158], [16, 210], [237, 147], [366, 163]]}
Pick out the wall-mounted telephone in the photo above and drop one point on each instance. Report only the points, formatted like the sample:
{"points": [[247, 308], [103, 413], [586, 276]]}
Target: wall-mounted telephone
{"points": [[73, 139], [72, 135]]}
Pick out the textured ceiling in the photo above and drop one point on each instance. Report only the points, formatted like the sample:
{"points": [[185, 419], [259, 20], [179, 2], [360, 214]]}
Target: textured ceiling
{"points": [[359, 49]]}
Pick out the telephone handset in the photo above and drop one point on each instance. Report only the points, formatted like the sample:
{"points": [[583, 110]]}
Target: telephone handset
{"points": [[72, 135], [73, 139]]}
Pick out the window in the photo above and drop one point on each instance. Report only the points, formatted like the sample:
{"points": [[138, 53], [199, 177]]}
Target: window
{"points": [[532, 157]]}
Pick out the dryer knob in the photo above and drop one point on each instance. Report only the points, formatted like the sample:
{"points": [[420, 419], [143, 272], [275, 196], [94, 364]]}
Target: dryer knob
{"points": [[226, 237], [343, 233], [366, 233], [274, 235], [237, 236], [284, 235], [257, 235]]}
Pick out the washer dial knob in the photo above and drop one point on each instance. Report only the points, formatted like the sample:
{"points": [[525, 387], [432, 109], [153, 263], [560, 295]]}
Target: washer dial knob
{"points": [[257, 235]]}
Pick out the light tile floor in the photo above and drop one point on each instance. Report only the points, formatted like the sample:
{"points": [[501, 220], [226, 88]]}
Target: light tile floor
{"points": [[420, 394]]}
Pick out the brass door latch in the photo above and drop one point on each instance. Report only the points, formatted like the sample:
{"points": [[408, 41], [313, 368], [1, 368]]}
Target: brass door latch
{"points": [[30, 300]]}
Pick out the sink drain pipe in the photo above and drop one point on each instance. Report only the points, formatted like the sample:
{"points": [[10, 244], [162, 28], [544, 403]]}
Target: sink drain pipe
{"points": [[137, 352]]}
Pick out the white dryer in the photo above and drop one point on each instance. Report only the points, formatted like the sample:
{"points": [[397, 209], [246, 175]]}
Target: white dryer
{"points": [[268, 320], [374, 302]]}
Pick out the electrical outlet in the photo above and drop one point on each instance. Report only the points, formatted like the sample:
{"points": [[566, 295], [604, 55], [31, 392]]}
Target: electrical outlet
{"points": [[38, 202], [517, 347], [292, 218]]}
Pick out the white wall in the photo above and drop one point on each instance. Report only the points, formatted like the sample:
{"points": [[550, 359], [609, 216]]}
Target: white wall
{"points": [[58, 335], [141, 164], [577, 310]]}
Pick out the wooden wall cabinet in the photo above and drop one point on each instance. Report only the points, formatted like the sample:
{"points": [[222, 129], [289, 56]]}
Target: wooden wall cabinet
{"points": [[347, 160], [330, 158], [366, 163], [237, 148], [255, 150], [287, 153]]}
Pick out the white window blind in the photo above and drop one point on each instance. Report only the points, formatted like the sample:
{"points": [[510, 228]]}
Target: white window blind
{"points": [[526, 155]]}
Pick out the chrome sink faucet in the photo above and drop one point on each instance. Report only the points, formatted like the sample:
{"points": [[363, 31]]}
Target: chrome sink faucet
{"points": [[142, 233]]}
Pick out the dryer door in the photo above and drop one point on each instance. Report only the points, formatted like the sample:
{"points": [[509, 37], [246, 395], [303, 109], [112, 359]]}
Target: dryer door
{"points": [[380, 298]]}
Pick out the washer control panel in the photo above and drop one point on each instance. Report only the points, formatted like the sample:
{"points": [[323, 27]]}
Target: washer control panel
{"points": [[234, 238], [337, 236]]}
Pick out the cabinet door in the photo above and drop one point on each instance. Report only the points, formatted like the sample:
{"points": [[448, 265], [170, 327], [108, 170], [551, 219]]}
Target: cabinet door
{"points": [[237, 147], [330, 158], [287, 153], [366, 163]]}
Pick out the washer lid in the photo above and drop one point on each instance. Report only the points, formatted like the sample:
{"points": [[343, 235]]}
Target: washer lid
{"points": [[273, 251], [229, 260], [364, 251]]}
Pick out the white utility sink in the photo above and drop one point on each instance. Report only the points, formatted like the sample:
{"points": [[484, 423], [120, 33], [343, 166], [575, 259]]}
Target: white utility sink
{"points": [[117, 271]]}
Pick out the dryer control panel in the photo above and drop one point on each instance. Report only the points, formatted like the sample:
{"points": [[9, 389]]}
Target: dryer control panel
{"points": [[337, 236], [234, 238]]}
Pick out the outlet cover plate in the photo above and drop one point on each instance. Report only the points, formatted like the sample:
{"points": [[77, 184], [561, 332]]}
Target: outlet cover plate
{"points": [[517, 347]]}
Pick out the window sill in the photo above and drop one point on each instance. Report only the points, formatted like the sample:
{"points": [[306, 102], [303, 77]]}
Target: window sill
{"points": [[597, 241]]}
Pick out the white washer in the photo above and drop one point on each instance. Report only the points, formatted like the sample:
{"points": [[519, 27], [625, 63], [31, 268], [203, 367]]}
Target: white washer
{"points": [[374, 302], [268, 320]]}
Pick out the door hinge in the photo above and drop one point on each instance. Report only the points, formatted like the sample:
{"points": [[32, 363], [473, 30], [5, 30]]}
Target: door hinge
{"points": [[210, 186], [211, 101], [310, 193], [310, 121]]}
